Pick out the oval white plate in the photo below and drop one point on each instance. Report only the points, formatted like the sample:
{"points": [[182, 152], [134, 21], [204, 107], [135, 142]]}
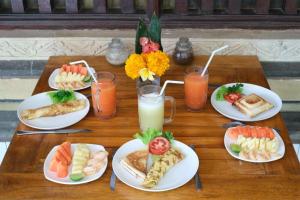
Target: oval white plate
{"points": [[48, 123], [177, 176], [52, 84], [281, 150], [226, 109], [51, 176]]}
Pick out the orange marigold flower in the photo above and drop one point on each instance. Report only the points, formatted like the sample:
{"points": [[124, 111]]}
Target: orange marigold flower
{"points": [[133, 65], [157, 62]]}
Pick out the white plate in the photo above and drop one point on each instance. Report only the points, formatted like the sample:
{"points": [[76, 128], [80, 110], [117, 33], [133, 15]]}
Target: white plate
{"points": [[226, 109], [51, 176], [280, 152], [177, 176], [48, 123], [52, 84]]}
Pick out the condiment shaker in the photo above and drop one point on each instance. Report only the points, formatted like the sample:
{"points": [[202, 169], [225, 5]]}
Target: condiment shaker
{"points": [[116, 53], [183, 53]]}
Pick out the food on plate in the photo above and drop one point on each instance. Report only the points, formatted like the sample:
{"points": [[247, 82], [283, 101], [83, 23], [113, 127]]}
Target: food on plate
{"points": [[163, 155], [61, 96], [253, 142], [95, 163], [252, 105], [230, 94], [161, 166], [54, 109], [235, 148], [159, 146], [79, 161], [250, 131], [72, 77], [61, 160], [136, 163], [86, 163]]}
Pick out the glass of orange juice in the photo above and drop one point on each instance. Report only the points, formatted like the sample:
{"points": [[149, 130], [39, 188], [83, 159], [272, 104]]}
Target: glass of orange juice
{"points": [[104, 95], [195, 88]]}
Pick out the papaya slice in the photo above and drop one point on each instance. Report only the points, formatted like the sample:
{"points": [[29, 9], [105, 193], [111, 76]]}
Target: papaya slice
{"points": [[62, 170], [53, 165]]}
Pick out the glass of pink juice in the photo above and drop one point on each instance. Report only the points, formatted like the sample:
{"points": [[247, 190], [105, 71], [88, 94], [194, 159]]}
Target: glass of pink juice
{"points": [[104, 95], [195, 88]]}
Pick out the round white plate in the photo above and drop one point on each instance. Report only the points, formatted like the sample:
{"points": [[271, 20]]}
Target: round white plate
{"points": [[226, 109], [52, 84], [51, 176], [177, 176], [280, 152], [48, 123]]}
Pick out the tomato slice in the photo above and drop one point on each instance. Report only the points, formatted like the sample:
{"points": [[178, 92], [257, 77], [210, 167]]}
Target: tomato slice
{"points": [[232, 97], [159, 146]]}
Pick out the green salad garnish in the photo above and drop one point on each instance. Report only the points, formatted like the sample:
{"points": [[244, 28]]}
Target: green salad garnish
{"points": [[61, 96], [87, 79], [152, 133], [237, 88]]}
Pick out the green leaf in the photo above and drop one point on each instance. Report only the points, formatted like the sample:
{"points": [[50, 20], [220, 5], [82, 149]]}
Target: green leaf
{"points": [[169, 136], [221, 92], [155, 30], [141, 31], [148, 135], [61, 96]]}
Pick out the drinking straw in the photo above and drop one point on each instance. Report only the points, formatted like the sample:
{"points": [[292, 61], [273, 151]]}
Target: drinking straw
{"points": [[87, 67], [211, 57], [165, 85], [93, 76]]}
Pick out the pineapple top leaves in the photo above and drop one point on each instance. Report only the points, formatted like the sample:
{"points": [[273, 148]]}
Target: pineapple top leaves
{"points": [[153, 32], [140, 32]]}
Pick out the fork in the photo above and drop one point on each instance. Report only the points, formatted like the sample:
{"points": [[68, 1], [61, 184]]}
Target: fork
{"points": [[112, 182], [198, 183]]}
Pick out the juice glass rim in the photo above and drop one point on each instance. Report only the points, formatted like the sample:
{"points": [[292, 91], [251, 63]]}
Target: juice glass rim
{"points": [[197, 69], [112, 76]]}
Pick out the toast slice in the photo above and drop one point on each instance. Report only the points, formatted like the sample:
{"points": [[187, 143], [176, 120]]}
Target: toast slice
{"points": [[136, 163], [252, 105]]}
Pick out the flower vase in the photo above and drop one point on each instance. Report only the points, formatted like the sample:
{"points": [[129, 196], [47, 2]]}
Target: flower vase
{"points": [[141, 83]]}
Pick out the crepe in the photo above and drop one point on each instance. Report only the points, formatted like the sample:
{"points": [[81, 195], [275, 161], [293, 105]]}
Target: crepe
{"points": [[136, 163], [54, 109], [161, 166], [252, 105]]}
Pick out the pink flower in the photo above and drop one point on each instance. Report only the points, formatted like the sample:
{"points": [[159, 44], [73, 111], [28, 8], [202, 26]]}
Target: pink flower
{"points": [[146, 48], [154, 46], [144, 41]]}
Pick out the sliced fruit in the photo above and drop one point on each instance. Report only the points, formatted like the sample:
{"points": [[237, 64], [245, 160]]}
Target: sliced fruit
{"points": [[87, 79], [53, 165], [62, 170], [77, 176], [67, 147], [65, 154], [159, 146], [83, 71], [235, 148]]}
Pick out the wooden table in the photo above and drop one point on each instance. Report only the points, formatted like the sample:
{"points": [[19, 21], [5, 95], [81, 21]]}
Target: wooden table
{"points": [[223, 177]]}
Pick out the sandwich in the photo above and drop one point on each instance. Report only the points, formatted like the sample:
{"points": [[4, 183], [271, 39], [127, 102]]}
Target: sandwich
{"points": [[252, 105], [136, 163]]}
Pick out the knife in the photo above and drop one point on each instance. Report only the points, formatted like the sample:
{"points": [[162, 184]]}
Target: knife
{"points": [[198, 183], [112, 182], [24, 132]]}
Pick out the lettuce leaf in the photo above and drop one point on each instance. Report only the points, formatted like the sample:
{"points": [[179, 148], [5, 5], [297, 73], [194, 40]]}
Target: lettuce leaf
{"points": [[152, 133], [148, 135], [221, 92], [61, 96]]}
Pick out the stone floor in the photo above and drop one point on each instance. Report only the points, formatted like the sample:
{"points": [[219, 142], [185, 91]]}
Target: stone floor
{"points": [[25, 74]]}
